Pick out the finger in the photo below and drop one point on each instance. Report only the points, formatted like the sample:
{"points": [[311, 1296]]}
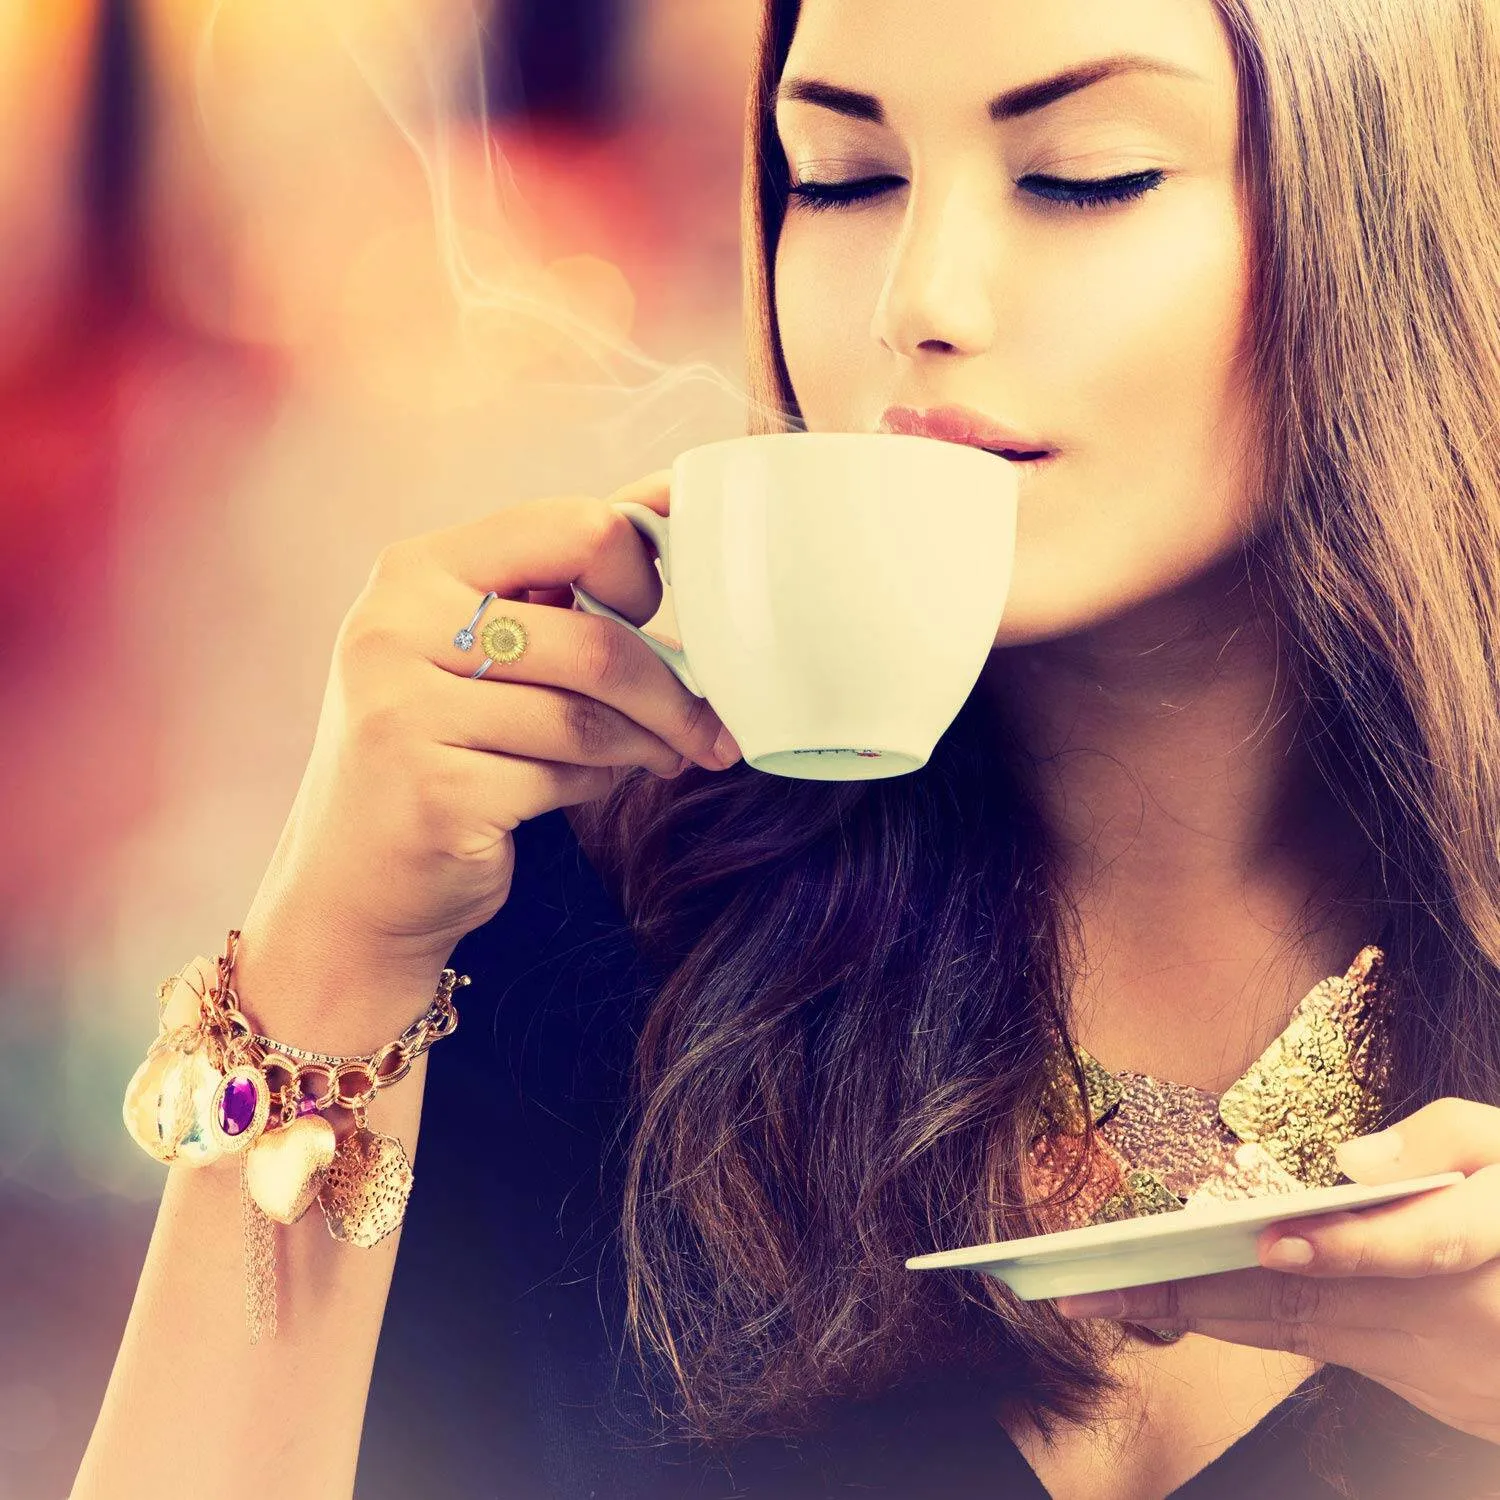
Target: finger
{"points": [[516, 788], [544, 544], [1448, 1135], [590, 683], [654, 490], [1384, 1353], [1446, 1229], [538, 638], [1263, 1296], [552, 724], [1474, 1412]]}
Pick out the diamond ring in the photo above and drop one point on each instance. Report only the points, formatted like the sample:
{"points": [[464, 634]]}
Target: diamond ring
{"points": [[464, 640]]}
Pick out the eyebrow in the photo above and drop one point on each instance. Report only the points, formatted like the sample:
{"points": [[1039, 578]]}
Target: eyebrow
{"points": [[1023, 100]]}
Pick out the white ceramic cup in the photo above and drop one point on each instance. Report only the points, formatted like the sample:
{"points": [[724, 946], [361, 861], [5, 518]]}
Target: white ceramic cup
{"points": [[837, 593]]}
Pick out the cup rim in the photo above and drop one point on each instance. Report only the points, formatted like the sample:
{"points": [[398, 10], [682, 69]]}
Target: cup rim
{"points": [[837, 435]]}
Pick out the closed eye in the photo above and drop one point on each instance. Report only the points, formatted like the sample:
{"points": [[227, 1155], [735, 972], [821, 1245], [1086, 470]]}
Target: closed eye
{"points": [[1078, 192], [816, 195], [1091, 192]]}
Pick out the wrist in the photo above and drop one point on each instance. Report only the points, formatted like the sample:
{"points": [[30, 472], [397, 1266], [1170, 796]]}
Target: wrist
{"points": [[304, 985]]}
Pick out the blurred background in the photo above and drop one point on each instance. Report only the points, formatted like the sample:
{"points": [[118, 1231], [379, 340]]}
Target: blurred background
{"points": [[280, 282]]}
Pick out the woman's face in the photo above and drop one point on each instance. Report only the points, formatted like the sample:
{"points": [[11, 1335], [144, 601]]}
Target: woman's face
{"points": [[1112, 334]]}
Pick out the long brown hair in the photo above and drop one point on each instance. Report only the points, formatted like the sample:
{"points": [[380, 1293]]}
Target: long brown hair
{"points": [[840, 1067]]}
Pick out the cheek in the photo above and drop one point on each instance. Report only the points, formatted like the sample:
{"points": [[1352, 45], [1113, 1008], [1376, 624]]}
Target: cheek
{"points": [[1138, 346], [1150, 344], [827, 286], [1123, 341]]}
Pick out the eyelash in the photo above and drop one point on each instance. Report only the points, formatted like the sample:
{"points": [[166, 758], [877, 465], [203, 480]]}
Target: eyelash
{"points": [[1093, 192]]}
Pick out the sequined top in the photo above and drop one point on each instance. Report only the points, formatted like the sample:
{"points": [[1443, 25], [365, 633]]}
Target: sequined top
{"points": [[1164, 1147]]}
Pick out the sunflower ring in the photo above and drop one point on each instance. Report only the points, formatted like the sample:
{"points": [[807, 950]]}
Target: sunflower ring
{"points": [[504, 639]]}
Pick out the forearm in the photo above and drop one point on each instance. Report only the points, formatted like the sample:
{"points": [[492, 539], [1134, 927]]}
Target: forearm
{"points": [[192, 1407]]}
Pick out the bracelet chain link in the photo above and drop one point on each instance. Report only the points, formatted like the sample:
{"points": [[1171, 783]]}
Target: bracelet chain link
{"points": [[238, 1044]]}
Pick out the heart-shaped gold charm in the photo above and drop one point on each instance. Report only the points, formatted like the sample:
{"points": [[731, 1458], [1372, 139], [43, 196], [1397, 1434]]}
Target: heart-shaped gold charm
{"points": [[284, 1168]]}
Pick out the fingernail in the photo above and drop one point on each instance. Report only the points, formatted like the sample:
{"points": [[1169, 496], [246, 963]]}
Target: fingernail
{"points": [[1290, 1250], [725, 748], [1370, 1150], [1094, 1305]]}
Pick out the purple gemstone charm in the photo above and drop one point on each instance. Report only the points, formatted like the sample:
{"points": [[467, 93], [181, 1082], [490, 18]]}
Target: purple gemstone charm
{"points": [[241, 1107], [236, 1106], [306, 1106]]}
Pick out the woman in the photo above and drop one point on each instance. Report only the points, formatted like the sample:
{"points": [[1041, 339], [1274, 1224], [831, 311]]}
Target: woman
{"points": [[1224, 280]]}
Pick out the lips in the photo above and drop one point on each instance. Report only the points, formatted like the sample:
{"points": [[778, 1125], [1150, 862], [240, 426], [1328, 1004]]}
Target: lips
{"points": [[961, 424]]}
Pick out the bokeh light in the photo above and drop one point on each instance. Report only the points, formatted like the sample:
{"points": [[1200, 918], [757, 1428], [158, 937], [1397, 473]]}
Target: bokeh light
{"points": [[280, 284]]}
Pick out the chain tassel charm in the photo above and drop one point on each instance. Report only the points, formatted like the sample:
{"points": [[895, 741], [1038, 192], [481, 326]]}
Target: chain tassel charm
{"points": [[260, 1263]]}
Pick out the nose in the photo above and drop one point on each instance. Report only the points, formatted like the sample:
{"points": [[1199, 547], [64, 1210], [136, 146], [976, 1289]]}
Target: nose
{"points": [[938, 295]]}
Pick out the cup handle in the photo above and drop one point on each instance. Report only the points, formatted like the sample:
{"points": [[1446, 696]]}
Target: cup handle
{"points": [[656, 530]]}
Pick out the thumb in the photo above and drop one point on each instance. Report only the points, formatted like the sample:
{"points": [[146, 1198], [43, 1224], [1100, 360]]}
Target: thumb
{"points": [[1372, 1158], [1448, 1135]]}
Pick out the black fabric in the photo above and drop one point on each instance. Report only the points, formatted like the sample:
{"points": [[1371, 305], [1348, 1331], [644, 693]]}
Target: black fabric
{"points": [[496, 1376]]}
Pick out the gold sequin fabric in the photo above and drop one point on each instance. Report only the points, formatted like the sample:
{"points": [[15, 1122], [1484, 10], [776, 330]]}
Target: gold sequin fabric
{"points": [[1164, 1147]]}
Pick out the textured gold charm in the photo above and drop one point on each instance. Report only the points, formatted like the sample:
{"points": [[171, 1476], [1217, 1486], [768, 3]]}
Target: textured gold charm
{"points": [[365, 1191], [1173, 1129], [284, 1168]]}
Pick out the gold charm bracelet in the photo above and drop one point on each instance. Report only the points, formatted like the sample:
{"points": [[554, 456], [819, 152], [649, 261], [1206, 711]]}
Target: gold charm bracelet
{"points": [[216, 1087]]}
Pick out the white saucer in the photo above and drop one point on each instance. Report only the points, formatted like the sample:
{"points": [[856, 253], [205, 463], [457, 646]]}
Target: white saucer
{"points": [[1157, 1247]]}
